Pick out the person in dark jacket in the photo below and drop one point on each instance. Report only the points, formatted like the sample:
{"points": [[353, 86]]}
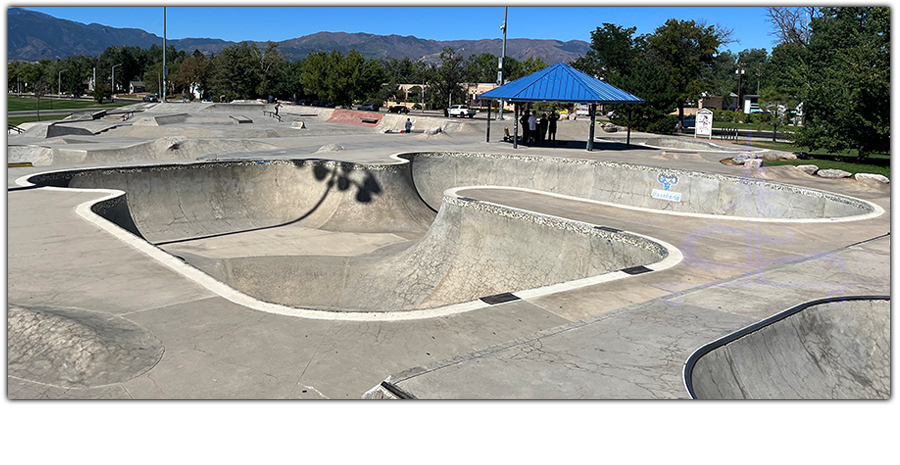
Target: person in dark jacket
{"points": [[542, 128], [554, 117], [524, 123]]}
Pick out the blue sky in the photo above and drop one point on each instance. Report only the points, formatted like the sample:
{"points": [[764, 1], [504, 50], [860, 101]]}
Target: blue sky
{"points": [[279, 23]]}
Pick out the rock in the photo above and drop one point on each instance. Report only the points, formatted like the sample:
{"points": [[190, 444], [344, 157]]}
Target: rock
{"points": [[809, 169], [433, 131], [330, 148], [872, 177], [770, 156], [833, 174], [754, 163], [787, 156], [740, 159]]}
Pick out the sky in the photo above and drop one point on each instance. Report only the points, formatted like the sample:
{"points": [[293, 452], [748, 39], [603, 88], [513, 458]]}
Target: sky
{"points": [[278, 23]]}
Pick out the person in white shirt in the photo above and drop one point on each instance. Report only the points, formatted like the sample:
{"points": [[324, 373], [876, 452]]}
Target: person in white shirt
{"points": [[532, 127]]}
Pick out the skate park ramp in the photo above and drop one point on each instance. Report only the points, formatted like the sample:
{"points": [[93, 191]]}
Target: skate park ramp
{"points": [[74, 348], [826, 349]]}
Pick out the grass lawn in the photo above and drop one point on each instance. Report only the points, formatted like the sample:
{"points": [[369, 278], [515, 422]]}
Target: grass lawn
{"points": [[30, 104], [840, 165], [17, 120]]}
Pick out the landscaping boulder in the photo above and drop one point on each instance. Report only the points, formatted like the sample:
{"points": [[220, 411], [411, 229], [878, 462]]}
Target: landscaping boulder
{"points": [[809, 169], [787, 156], [872, 177], [770, 156], [740, 159], [754, 163], [833, 174]]}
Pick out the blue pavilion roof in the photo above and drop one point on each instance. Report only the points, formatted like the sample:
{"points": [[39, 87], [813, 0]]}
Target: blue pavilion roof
{"points": [[560, 83]]}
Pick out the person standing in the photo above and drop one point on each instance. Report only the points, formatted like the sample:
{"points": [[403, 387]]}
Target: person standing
{"points": [[408, 125], [532, 127], [524, 122], [542, 128], [551, 126]]}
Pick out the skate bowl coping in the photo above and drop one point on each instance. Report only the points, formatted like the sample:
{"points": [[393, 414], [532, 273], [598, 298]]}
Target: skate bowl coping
{"points": [[836, 348]]}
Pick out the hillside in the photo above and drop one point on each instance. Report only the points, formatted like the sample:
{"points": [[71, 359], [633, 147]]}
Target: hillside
{"points": [[34, 35]]}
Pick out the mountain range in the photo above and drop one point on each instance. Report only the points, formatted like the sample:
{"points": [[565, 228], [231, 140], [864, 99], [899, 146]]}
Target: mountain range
{"points": [[33, 36]]}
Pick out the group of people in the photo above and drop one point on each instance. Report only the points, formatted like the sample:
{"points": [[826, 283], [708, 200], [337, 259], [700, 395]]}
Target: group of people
{"points": [[537, 130]]}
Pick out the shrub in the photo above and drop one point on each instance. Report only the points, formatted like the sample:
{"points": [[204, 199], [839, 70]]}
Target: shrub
{"points": [[665, 125]]}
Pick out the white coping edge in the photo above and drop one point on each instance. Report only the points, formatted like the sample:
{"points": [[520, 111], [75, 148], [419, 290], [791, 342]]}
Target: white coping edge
{"points": [[877, 210], [229, 293]]}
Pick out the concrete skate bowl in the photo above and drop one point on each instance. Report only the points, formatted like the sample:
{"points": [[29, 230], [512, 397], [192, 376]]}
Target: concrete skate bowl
{"points": [[679, 143], [467, 251], [640, 187], [826, 349]]}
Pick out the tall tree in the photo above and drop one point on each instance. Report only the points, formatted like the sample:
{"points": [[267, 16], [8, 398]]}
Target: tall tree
{"points": [[848, 102], [447, 83], [613, 51], [685, 49]]}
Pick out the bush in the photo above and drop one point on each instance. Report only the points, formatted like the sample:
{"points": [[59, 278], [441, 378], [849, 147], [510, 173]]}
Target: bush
{"points": [[665, 125]]}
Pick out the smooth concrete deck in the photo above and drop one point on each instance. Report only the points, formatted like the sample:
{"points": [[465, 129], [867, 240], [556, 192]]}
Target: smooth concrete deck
{"points": [[622, 339]]}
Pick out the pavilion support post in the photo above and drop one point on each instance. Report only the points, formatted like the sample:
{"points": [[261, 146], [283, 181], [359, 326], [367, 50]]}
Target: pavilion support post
{"points": [[487, 137], [590, 143], [516, 126], [628, 122]]}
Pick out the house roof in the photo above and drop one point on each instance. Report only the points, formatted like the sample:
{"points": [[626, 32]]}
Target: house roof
{"points": [[560, 83]]}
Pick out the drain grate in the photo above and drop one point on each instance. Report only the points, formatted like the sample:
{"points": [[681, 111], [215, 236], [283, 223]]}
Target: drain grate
{"points": [[499, 298], [637, 270]]}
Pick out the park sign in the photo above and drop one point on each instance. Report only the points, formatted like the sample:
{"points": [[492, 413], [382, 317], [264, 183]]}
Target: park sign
{"points": [[703, 125]]}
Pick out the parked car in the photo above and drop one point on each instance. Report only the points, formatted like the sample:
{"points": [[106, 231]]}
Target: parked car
{"points": [[321, 103], [368, 107], [150, 98], [302, 102], [398, 109], [461, 111], [206, 100]]}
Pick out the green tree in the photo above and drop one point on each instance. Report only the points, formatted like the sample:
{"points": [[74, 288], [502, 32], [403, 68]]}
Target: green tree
{"points": [[685, 49], [533, 65], [778, 106], [101, 91], [447, 82], [613, 50], [848, 102], [483, 67]]}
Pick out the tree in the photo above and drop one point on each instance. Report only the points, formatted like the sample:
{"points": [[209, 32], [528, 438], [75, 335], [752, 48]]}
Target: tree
{"points": [[101, 91], [613, 50], [778, 106], [533, 65], [448, 79], [848, 102], [41, 87], [340, 78], [790, 25], [685, 49], [483, 68]]}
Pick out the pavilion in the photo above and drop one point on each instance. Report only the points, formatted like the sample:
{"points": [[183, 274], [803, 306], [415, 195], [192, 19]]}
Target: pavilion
{"points": [[559, 83]]}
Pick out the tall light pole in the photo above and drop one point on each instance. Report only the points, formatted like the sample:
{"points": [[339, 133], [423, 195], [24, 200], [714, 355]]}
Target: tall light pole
{"points": [[502, 58], [113, 91], [740, 72], [59, 83], [164, 56]]}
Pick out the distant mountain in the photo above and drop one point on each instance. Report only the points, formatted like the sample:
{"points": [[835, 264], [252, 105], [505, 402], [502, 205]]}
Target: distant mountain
{"points": [[34, 35]]}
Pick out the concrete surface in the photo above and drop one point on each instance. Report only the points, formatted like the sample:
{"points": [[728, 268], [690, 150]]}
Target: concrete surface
{"points": [[831, 350], [622, 338]]}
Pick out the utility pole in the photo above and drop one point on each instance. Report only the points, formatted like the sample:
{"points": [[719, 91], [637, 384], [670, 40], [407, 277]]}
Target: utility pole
{"points": [[59, 83], [502, 59], [114, 82], [164, 56]]}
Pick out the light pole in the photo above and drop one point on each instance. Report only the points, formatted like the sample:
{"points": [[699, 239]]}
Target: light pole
{"points": [[502, 58], [739, 72], [59, 83], [113, 91], [164, 55]]}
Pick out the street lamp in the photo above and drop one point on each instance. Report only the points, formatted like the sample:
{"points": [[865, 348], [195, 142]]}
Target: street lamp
{"points": [[59, 83], [502, 59], [114, 81], [739, 72]]}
